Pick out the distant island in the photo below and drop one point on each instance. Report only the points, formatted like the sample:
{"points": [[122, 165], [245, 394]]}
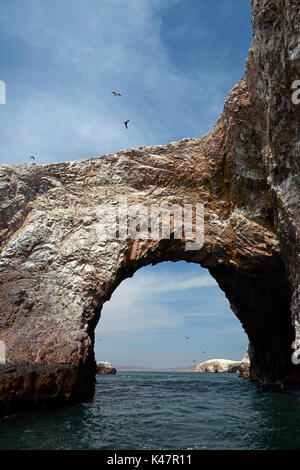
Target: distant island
{"points": [[104, 367], [210, 366]]}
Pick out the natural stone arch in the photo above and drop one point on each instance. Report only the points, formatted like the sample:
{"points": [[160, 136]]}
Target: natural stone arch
{"points": [[260, 300], [56, 274]]}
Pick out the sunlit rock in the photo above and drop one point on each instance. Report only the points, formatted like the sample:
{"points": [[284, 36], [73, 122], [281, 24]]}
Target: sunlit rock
{"points": [[56, 270], [105, 367], [218, 365], [244, 368]]}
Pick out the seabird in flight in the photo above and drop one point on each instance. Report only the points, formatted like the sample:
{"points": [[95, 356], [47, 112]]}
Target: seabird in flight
{"points": [[187, 337], [126, 123], [115, 93], [32, 157]]}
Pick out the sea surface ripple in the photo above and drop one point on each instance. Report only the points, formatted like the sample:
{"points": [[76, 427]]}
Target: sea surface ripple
{"points": [[154, 410]]}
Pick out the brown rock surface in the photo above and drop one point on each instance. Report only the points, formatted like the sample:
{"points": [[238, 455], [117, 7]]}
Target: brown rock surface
{"points": [[30, 386], [55, 272], [105, 367], [244, 369]]}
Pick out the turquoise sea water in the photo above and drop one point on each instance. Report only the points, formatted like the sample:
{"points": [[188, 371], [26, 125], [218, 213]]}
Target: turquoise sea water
{"points": [[153, 410]]}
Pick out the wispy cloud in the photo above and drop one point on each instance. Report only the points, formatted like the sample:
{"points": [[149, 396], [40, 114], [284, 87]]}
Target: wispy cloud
{"points": [[154, 300], [162, 282], [149, 315], [70, 56]]}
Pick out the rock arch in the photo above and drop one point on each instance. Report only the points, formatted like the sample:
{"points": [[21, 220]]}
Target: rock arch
{"points": [[56, 273]]}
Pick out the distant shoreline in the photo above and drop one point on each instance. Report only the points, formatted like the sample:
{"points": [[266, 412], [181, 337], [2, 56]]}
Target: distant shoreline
{"points": [[130, 368]]}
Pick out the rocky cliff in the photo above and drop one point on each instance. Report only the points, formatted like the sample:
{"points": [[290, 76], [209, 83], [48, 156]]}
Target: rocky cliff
{"points": [[56, 272], [105, 367], [218, 366], [244, 368], [226, 366]]}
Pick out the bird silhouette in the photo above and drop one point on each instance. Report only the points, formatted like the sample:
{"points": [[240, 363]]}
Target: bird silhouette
{"points": [[126, 123], [187, 337], [115, 93], [32, 157]]}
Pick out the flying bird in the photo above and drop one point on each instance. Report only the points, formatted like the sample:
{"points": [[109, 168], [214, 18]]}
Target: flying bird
{"points": [[32, 157], [115, 93], [187, 337], [126, 123]]}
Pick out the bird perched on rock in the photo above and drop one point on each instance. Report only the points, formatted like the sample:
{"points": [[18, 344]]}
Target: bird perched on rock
{"points": [[115, 93], [126, 123]]}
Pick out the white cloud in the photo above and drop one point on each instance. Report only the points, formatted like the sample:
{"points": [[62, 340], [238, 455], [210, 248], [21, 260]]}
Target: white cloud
{"points": [[163, 282], [143, 303]]}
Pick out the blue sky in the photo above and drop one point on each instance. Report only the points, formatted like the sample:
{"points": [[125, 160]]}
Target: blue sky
{"points": [[149, 315], [174, 62]]}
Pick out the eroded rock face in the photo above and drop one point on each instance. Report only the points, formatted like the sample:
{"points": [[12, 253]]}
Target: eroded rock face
{"points": [[56, 272], [218, 366], [105, 367], [30, 386], [244, 368]]}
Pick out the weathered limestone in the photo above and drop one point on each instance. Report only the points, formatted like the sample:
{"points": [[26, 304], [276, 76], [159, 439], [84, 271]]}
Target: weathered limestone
{"points": [[218, 366], [105, 367], [244, 368], [226, 366], [55, 272]]}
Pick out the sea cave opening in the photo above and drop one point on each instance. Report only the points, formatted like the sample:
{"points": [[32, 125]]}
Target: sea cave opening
{"points": [[172, 315]]}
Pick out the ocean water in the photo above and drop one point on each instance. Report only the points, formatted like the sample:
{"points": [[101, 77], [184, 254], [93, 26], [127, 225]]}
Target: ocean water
{"points": [[153, 410]]}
